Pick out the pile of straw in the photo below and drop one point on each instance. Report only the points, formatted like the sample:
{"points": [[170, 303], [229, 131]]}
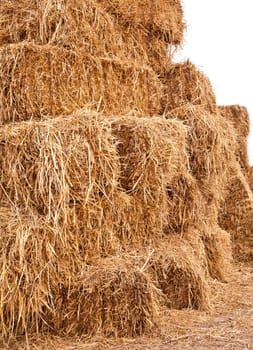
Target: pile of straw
{"points": [[33, 261], [239, 116], [185, 84], [148, 149], [50, 164], [109, 210], [67, 80]]}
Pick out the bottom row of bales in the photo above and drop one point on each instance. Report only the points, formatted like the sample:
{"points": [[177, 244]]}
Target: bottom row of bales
{"points": [[95, 229]]}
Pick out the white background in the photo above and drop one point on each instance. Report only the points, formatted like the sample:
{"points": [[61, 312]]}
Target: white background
{"points": [[219, 40]]}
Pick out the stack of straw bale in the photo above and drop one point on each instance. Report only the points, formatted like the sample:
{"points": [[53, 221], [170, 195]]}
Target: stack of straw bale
{"points": [[188, 96], [235, 214], [114, 170]]}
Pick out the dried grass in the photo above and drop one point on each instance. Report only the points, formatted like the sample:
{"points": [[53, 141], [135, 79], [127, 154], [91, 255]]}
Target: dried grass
{"points": [[162, 17], [236, 216], [218, 250], [76, 24], [185, 84], [239, 117], [179, 275], [148, 149], [34, 260], [65, 170], [67, 80], [114, 298], [185, 204], [211, 145], [79, 191], [49, 165], [47, 286]]}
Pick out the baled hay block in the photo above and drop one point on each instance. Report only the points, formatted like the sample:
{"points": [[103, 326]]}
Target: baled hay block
{"points": [[33, 263], [184, 84], [194, 237], [179, 275], [141, 223], [211, 144], [239, 117], [162, 17], [185, 205], [218, 251], [236, 216], [52, 164], [113, 298], [67, 170], [37, 81], [148, 149], [76, 24], [67, 23], [144, 47]]}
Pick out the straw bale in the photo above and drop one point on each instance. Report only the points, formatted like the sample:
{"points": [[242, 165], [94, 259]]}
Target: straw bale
{"points": [[218, 249], [76, 24], [37, 81], [33, 262], [148, 149], [114, 298], [211, 145], [67, 23], [179, 274], [185, 204], [145, 47], [194, 238], [236, 216], [162, 17], [50, 164], [185, 84], [239, 117], [141, 223], [67, 171]]}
